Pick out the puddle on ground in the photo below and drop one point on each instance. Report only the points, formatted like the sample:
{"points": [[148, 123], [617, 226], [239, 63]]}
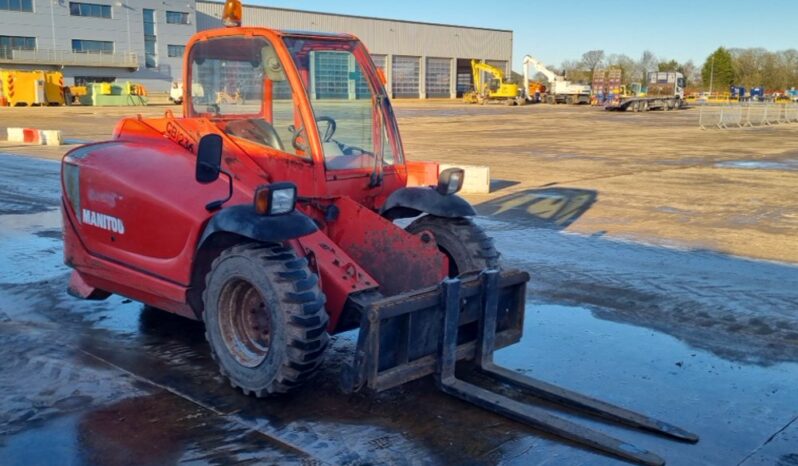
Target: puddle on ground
{"points": [[30, 247], [28, 447], [788, 164], [658, 375], [73, 141]]}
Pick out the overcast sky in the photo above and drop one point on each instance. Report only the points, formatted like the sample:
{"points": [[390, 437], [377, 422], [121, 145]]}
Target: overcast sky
{"points": [[553, 31]]}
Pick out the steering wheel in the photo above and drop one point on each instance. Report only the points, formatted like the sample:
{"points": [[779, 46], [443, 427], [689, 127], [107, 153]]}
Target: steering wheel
{"points": [[256, 129], [326, 137]]}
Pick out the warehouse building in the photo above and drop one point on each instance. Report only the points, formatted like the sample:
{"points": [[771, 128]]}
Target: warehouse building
{"points": [[144, 41]]}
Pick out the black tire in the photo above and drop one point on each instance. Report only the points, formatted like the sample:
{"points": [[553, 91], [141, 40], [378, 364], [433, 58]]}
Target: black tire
{"points": [[468, 247], [280, 342]]}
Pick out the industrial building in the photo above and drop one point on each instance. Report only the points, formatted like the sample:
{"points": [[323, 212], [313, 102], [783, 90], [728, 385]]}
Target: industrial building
{"points": [[143, 41]]}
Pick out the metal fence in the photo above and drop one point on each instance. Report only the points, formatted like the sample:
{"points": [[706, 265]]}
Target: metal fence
{"points": [[748, 115]]}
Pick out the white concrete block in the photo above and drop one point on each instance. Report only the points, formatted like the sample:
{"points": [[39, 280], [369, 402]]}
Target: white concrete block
{"points": [[16, 135], [52, 137], [476, 180]]}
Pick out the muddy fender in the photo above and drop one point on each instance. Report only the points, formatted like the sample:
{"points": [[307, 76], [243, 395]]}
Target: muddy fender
{"points": [[242, 220], [411, 202]]}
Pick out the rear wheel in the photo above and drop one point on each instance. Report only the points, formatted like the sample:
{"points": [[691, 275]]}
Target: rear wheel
{"points": [[466, 245], [264, 318]]}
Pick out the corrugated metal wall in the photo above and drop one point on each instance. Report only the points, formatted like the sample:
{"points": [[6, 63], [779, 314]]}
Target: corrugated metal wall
{"points": [[381, 36], [398, 43]]}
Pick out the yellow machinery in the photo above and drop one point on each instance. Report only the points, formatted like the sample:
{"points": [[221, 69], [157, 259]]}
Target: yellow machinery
{"points": [[492, 89], [31, 88], [633, 90]]}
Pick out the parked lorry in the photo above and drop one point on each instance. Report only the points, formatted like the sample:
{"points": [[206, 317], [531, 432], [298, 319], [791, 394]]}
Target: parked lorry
{"points": [[560, 90], [274, 223], [664, 91]]}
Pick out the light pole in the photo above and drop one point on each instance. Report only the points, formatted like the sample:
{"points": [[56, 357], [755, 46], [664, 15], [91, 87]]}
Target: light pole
{"points": [[711, 73], [127, 23], [52, 21]]}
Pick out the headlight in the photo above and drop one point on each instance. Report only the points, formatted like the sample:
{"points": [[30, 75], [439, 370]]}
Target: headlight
{"points": [[450, 181], [275, 199]]}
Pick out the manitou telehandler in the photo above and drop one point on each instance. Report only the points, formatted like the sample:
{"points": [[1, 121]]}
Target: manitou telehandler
{"points": [[271, 220]]}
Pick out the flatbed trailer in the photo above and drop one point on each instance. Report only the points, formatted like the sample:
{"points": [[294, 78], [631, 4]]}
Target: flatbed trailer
{"points": [[644, 104]]}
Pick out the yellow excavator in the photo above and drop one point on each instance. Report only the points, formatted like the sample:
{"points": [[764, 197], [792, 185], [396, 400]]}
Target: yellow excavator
{"points": [[495, 88]]}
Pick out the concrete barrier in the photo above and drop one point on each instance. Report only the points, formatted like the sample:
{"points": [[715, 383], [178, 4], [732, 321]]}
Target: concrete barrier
{"points": [[16, 135], [52, 137], [477, 178], [35, 136]]}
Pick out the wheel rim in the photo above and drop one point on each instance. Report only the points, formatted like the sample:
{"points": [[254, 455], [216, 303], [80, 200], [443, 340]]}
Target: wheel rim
{"points": [[244, 322]]}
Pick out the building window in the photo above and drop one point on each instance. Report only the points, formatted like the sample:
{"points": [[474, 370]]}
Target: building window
{"points": [[86, 80], [175, 51], [92, 46], [10, 43], [89, 9], [176, 17], [17, 5], [17, 43], [150, 42]]}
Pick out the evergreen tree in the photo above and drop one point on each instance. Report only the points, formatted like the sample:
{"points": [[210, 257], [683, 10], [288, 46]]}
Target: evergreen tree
{"points": [[719, 70]]}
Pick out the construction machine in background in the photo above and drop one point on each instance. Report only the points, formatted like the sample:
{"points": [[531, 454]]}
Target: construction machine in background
{"points": [[560, 90], [535, 92], [490, 85], [273, 221]]}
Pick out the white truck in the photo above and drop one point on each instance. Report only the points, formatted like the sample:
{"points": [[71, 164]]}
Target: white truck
{"points": [[560, 90], [176, 92]]}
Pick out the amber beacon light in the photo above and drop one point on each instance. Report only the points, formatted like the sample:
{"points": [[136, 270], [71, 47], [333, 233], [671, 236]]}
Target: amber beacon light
{"points": [[232, 13]]}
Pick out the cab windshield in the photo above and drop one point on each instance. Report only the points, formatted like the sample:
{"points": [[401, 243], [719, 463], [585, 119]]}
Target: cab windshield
{"points": [[352, 112], [240, 83]]}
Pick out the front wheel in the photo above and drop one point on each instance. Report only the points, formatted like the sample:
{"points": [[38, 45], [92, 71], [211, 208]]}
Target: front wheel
{"points": [[466, 245], [264, 318]]}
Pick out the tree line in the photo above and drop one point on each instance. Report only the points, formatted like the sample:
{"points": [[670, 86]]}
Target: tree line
{"points": [[752, 67]]}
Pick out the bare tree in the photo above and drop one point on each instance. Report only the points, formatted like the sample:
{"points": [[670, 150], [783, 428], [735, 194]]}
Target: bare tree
{"points": [[626, 64], [648, 62], [692, 74], [593, 59]]}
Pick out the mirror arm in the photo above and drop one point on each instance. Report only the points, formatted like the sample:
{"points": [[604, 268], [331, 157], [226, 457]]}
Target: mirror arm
{"points": [[216, 205]]}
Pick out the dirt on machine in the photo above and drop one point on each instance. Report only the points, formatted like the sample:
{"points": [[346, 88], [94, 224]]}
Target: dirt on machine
{"points": [[273, 219]]}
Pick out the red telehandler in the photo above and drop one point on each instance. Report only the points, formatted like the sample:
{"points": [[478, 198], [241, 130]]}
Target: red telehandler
{"points": [[271, 219]]}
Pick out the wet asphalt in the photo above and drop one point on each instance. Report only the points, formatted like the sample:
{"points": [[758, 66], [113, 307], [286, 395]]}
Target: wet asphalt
{"points": [[706, 341]]}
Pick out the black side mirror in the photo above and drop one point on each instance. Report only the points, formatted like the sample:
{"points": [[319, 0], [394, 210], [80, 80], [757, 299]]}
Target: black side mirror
{"points": [[209, 158]]}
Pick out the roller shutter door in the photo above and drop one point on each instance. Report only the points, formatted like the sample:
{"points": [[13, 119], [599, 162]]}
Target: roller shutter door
{"points": [[438, 74], [405, 77]]}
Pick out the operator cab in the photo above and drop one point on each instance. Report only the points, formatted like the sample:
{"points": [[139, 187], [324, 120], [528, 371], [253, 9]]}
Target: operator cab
{"points": [[256, 85]]}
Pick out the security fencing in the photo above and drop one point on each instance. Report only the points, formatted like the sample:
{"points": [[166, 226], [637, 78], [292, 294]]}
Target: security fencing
{"points": [[749, 115]]}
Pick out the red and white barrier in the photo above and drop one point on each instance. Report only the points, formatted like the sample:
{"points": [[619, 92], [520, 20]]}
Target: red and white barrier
{"points": [[35, 136]]}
